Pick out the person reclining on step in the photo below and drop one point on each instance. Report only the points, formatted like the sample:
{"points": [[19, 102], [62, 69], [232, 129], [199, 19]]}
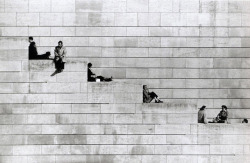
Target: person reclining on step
{"points": [[202, 115], [149, 96], [92, 77], [60, 56], [33, 54], [222, 117]]}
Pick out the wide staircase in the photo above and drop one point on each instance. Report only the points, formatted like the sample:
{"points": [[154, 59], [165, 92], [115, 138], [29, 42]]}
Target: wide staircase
{"points": [[49, 117]]}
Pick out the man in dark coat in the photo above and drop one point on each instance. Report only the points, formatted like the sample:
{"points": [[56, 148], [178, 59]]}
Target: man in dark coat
{"points": [[33, 54]]}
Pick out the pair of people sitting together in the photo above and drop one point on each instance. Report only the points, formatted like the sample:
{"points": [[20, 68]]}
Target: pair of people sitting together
{"points": [[147, 96], [60, 54], [222, 117]]}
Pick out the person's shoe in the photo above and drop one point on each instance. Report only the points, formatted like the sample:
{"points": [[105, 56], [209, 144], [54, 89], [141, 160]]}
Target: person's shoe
{"points": [[159, 101]]}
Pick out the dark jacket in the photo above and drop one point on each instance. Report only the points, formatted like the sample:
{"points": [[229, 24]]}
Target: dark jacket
{"points": [[90, 73], [32, 50], [223, 115]]}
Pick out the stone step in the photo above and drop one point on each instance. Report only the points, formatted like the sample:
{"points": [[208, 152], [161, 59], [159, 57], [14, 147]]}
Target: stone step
{"points": [[126, 158], [75, 65], [123, 149], [98, 119]]}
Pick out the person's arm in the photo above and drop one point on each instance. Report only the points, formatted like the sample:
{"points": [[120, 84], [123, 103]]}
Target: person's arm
{"points": [[55, 52], [145, 93]]}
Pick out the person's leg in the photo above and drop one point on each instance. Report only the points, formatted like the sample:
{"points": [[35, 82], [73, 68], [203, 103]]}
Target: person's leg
{"points": [[154, 96], [62, 66]]}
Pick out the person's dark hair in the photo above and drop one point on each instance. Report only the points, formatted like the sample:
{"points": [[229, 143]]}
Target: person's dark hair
{"points": [[144, 86], [60, 42], [30, 38], [224, 106], [203, 107], [245, 120], [89, 65]]}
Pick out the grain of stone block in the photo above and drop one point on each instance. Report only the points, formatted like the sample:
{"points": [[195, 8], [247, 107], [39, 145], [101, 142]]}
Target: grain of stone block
{"points": [[160, 6], [141, 149], [56, 108], [75, 19], [154, 159], [137, 6], [221, 32], [137, 31], [231, 159], [186, 73], [226, 149], [15, 31], [54, 87], [63, 6], [168, 149], [173, 19], [86, 108], [101, 19], [128, 119], [40, 159], [8, 19], [63, 31], [26, 129], [222, 19], [71, 118], [71, 98], [149, 42], [6, 150], [170, 129], [173, 42], [141, 129], [26, 108], [16, 6], [181, 139], [146, 139], [51, 19], [206, 159], [154, 119], [100, 118], [41, 119], [100, 139], [187, 118], [89, 6], [38, 6], [56, 149], [149, 19], [195, 149], [27, 19], [117, 108], [2, 6], [125, 19]]}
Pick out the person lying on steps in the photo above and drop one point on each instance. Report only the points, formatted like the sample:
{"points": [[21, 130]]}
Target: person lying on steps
{"points": [[149, 96], [92, 77]]}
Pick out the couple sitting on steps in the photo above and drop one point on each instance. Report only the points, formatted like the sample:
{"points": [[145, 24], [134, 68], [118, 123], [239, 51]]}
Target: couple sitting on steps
{"points": [[60, 54], [147, 96]]}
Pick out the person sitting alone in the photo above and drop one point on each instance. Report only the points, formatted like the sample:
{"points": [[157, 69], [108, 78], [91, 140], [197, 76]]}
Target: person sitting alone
{"points": [[202, 115], [245, 121], [60, 56], [222, 117], [149, 96], [92, 77], [33, 54]]}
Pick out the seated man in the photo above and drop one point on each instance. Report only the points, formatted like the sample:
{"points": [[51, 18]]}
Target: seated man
{"points": [[33, 54], [149, 96], [92, 77], [202, 115], [60, 56], [222, 117]]}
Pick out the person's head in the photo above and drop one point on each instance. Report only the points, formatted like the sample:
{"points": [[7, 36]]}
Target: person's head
{"points": [[145, 87], [245, 121], [30, 39], [203, 107], [89, 65], [60, 44], [224, 108]]}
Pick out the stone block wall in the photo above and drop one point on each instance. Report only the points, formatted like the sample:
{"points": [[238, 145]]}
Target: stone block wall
{"points": [[190, 52]]}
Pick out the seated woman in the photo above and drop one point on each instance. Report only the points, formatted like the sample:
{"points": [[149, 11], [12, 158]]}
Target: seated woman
{"points": [[92, 77], [222, 117], [149, 96]]}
